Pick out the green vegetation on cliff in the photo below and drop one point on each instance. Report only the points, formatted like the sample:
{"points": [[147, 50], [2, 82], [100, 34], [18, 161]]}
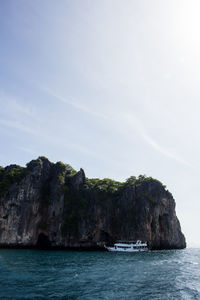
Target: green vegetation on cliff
{"points": [[14, 174], [103, 185], [66, 168], [111, 186], [10, 175]]}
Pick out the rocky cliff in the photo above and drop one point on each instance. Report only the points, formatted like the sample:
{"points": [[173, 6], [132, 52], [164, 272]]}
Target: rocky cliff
{"points": [[52, 205]]}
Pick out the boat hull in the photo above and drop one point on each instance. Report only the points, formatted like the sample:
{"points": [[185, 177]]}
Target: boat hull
{"points": [[112, 249]]}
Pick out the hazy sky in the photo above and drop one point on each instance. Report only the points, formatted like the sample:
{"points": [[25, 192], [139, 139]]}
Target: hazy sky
{"points": [[110, 86]]}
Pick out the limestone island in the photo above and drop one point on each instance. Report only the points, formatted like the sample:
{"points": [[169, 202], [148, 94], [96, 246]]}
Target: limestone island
{"points": [[52, 206]]}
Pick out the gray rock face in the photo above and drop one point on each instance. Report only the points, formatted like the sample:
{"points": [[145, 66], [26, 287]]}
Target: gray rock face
{"points": [[52, 206]]}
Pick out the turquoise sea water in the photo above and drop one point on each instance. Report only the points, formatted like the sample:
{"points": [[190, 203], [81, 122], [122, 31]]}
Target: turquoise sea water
{"points": [[32, 274]]}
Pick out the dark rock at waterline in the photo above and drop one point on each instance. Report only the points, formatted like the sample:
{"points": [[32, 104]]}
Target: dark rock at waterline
{"points": [[47, 205]]}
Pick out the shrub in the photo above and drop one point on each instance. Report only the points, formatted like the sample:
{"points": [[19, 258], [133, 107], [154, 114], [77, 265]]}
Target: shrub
{"points": [[7, 178]]}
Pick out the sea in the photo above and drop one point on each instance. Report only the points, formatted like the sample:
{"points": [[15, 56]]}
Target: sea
{"points": [[37, 274]]}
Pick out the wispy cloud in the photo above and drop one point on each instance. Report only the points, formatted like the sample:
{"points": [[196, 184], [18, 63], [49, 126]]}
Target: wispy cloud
{"points": [[164, 151], [136, 124], [51, 140], [14, 114], [14, 105], [133, 122], [74, 103], [17, 125]]}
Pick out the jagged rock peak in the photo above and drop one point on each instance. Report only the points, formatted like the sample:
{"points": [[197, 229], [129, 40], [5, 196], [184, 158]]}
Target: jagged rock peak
{"points": [[79, 178]]}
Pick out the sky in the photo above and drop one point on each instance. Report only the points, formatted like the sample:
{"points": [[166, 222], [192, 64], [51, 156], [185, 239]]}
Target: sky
{"points": [[108, 86]]}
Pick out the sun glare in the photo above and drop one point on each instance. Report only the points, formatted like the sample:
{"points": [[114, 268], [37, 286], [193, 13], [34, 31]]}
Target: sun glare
{"points": [[188, 25]]}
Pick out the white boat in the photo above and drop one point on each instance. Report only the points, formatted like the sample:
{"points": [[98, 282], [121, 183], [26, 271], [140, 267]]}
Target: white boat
{"points": [[137, 246]]}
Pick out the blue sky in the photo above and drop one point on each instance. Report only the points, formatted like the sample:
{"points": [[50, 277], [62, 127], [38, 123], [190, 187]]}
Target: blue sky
{"points": [[110, 86]]}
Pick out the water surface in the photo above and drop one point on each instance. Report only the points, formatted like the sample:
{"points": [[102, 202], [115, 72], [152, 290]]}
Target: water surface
{"points": [[32, 274]]}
